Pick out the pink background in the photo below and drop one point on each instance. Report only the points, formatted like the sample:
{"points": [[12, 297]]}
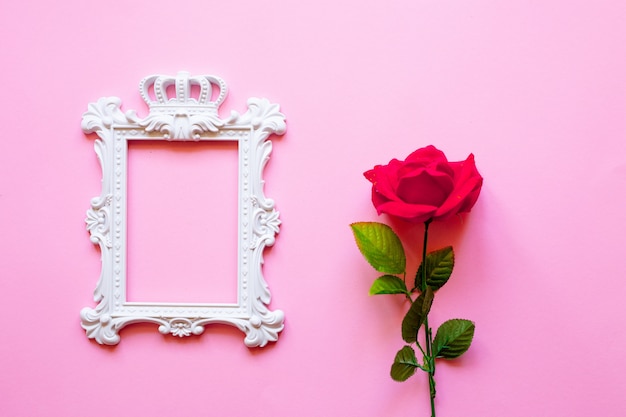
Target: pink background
{"points": [[535, 89]]}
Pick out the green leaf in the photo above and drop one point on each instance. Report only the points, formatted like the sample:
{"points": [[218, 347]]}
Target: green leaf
{"points": [[388, 284], [380, 246], [404, 365], [439, 265], [453, 338], [416, 315]]}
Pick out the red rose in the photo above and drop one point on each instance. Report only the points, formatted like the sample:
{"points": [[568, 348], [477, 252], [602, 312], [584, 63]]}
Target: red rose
{"points": [[425, 186]]}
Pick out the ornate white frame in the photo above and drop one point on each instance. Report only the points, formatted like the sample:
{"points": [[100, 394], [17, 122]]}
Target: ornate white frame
{"points": [[185, 116]]}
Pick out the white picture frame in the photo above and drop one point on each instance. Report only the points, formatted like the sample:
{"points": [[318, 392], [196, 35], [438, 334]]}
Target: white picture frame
{"points": [[183, 108]]}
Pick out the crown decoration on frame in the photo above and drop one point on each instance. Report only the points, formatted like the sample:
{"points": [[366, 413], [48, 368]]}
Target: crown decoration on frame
{"points": [[181, 114]]}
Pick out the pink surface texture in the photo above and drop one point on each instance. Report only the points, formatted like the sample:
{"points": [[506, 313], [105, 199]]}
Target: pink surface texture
{"points": [[535, 89]]}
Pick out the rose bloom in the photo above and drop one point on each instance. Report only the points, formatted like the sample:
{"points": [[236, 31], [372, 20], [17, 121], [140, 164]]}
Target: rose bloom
{"points": [[425, 186]]}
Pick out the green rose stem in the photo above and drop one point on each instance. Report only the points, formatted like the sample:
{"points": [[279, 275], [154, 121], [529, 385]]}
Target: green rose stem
{"points": [[428, 332], [383, 249]]}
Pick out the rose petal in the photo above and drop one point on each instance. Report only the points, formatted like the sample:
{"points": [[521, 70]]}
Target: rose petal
{"points": [[384, 178], [378, 199], [426, 156], [468, 183], [415, 213], [425, 187], [469, 172]]}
